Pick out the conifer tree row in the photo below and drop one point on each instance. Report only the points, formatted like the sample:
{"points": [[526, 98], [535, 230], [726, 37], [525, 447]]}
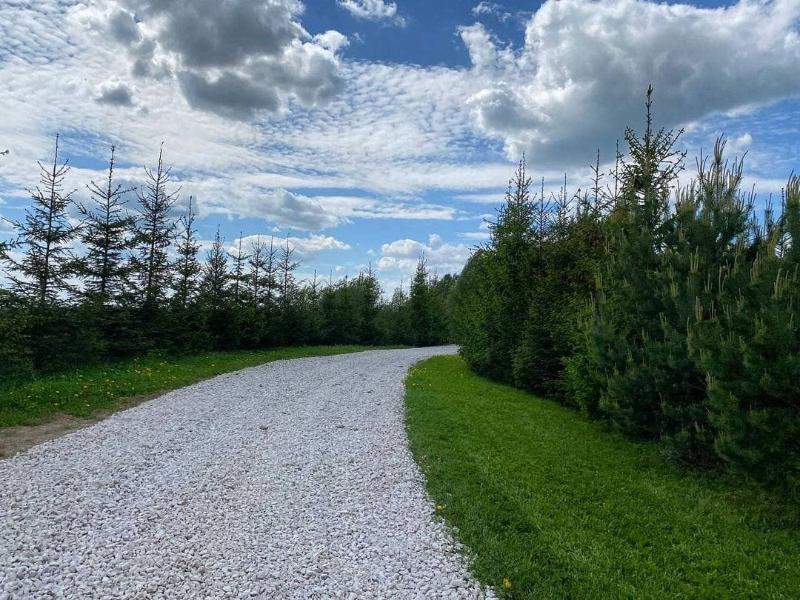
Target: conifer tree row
{"points": [[670, 313], [140, 282]]}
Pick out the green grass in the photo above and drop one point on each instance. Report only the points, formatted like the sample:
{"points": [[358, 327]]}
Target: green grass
{"points": [[561, 508], [84, 392]]}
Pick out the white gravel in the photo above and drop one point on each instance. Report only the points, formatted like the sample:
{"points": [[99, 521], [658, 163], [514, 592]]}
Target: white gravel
{"points": [[289, 480]]}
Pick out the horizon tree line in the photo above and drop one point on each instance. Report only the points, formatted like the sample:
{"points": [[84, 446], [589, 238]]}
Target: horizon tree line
{"points": [[140, 283]]}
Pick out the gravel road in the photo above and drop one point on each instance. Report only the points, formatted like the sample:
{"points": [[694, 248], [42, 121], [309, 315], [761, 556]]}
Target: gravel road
{"points": [[288, 480]]}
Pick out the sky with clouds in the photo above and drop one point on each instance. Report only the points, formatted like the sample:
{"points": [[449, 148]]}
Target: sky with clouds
{"points": [[372, 131]]}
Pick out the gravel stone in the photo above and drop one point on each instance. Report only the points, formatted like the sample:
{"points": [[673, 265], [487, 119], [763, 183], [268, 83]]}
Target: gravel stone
{"points": [[288, 480]]}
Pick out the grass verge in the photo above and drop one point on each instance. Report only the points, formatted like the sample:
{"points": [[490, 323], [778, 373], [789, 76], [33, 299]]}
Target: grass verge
{"points": [[551, 505], [84, 392]]}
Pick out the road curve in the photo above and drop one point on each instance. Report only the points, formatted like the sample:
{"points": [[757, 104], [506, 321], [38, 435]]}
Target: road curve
{"points": [[288, 480]]}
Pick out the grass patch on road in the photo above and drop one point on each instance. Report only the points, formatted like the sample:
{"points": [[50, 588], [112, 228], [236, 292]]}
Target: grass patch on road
{"points": [[551, 505], [84, 392]]}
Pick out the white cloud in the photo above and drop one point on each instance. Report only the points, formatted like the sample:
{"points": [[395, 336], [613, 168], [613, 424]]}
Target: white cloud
{"points": [[238, 199], [395, 135], [332, 40], [477, 236], [373, 10], [738, 145], [338, 149], [491, 9], [496, 197], [305, 247], [234, 58], [482, 47], [403, 255], [581, 75], [278, 206], [115, 93], [482, 235]]}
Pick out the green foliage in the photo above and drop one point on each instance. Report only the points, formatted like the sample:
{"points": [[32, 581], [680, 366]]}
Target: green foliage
{"points": [[672, 315], [140, 287], [187, 266], [560, 508], [154, 234], [106, 235], [15, 356], [43, 238], [750, 350], [83, 392]]}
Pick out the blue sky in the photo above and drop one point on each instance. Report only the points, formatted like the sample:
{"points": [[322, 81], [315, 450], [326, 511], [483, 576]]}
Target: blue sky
{"points": [[370, 131]]}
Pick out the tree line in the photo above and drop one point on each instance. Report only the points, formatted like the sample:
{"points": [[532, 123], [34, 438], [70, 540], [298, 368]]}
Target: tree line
{"points": [[140, 284], [669, 312]]}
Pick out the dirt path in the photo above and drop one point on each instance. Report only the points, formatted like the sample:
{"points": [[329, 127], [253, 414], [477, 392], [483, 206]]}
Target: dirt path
{"points": [[14, 440]]}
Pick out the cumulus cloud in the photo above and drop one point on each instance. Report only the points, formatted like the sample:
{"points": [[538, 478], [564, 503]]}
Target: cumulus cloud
{"points": [[115, 94], [581, 76], [373, 10], [482, 47], [332, 40], [304, 247], [233, 58], [441, 257], [278, 206], [310, 213]]}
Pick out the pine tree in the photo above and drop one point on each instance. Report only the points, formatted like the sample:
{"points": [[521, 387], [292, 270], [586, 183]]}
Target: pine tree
{"points": [[155, 233], [106, 235], [43, 237], [750, 350]]}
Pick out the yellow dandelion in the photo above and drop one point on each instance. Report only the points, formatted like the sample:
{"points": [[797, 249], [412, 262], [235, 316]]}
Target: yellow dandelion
{"points": [[507, 585]]}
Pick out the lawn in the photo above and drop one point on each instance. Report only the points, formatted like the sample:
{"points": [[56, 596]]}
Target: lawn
{"points": [[551, 505], [84, 392]]}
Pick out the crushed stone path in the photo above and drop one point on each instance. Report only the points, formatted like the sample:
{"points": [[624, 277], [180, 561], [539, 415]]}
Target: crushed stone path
{"points": [[288, 480]]}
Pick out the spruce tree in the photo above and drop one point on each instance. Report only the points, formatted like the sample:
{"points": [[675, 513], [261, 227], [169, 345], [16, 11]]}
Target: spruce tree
{"points": [[216, 297], [512, 236], [256, 277], [271, 285], [615, 371], [216, 277], [106, 235], [239, 277], [286, 268], [155, 233], [421, 306], [43, 238], [367, 297], [187, 266], [289, 328]]}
